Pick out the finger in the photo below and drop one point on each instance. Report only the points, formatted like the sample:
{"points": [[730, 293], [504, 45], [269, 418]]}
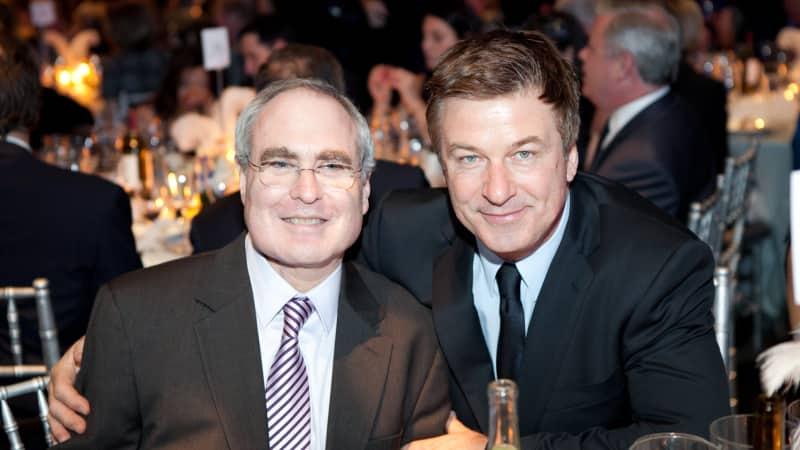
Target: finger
{"points": [[64, 417], [77, 351], [60, 434], [61, 391]]}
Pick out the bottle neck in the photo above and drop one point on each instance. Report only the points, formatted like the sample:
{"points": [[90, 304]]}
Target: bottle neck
{"points": [[770, 423], [503, 419]]}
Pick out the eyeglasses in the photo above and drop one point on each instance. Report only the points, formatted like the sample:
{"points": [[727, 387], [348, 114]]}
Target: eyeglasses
{"points": [[284, 173]]}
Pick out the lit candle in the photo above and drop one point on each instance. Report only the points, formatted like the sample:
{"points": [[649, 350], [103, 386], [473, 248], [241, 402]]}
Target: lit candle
{"points": [[172, 182]]}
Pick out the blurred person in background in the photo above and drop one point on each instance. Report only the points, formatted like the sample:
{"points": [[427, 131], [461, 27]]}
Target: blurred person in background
{"points": [[650, 143], [135, 69], [71, 228], [444, 23], [706, 96], [259, 38], [187, 86]]}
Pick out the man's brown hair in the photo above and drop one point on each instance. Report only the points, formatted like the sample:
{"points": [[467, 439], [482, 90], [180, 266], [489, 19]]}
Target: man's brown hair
{"points": [[501, 63]]}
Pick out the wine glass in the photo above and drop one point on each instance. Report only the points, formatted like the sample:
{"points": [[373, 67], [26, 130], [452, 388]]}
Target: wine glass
{"points": [[672, 441]]}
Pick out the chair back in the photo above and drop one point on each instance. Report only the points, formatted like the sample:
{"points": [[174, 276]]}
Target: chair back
{"points": [[37, 385], [707, 221], [48, 333], [735, 191]]}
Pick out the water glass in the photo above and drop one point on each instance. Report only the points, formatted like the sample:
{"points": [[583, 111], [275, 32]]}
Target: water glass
{"points": [[672, 441], [734, 432]]}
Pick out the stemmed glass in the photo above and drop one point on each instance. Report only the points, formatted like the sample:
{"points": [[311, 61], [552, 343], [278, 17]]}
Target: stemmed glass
{"points": [[672, 441]]}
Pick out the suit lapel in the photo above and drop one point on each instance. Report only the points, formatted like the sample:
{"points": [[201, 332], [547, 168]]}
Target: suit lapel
{"points": [[557, 312], [459, 329], [360, 367], [227, 336]]}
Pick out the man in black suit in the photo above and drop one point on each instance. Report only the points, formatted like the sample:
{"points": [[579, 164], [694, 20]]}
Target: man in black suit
{"points": [[71, 228], [596, 302], [650, 142]]}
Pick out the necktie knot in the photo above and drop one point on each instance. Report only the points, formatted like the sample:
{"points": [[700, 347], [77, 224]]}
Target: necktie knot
{"points": [[508, 281], [295, 313]]}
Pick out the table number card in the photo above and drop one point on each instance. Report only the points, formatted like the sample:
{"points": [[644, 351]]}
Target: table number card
{"points": [[43, 13], [794, 223], [216, 50]]}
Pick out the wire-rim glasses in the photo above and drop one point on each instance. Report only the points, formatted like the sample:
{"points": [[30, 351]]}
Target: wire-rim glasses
{"points": [[283, 173]]}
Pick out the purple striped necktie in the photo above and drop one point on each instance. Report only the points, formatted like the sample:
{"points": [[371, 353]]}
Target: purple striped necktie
{"points": [[288, 400]]}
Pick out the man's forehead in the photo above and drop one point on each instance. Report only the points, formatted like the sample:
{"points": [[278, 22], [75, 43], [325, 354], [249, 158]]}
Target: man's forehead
{"points": [[305, 123]]}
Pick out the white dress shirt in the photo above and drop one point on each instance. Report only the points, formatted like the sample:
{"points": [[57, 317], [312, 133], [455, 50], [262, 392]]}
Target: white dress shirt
{"points": [[628, 111], [316, 338], [17, 141], [533, 270]]}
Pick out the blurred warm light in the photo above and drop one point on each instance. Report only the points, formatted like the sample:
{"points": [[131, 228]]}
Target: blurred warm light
{"points": [[82, 70], [81, 81], [759, 123], [64, 78], [794, 88], [788, 95], [230, 155], [172, 183]]}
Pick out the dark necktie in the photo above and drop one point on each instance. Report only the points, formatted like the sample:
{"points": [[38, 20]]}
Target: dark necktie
{"points": [[512, 322]]}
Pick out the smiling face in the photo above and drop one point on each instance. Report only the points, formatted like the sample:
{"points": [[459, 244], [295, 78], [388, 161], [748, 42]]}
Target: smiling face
{"points": [[437, 37], [303, 229], [506, 170]]}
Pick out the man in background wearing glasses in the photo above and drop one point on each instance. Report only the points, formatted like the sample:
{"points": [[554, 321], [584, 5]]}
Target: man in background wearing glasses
{"points": [[177, 355]]}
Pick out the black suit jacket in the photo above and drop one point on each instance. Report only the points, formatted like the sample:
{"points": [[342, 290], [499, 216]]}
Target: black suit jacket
{"points": [[71, 228], [662, 155], [708, 99], [621, 342], [221, 222], [172, 361]]}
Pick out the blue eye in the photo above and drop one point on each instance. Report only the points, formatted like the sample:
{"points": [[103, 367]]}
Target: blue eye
{"points": [[468, 159], [525, 154]]}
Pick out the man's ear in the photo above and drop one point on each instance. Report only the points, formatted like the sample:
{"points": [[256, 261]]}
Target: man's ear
{"points": [[365, 191], [243, 184]]}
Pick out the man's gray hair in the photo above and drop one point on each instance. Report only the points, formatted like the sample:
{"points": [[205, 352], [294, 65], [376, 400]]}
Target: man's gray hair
{"points": [[247, 120], [651, 35]]}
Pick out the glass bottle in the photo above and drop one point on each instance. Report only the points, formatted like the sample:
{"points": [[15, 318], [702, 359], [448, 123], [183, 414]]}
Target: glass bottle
{"points": [[129, 159], [503, 421], [770, 422]]}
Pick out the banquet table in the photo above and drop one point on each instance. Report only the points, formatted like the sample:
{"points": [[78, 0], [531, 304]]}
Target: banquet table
{"points": [[769, 198]]}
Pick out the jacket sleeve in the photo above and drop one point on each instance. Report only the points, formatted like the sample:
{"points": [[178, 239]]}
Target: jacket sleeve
{"points": [[107, 380]]}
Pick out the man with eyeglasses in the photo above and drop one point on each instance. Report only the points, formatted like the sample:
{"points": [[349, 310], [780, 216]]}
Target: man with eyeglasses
{"points": [[271, 342]]}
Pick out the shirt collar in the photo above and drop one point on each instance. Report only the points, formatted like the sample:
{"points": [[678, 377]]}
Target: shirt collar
{"points": [[17, 141], [272, 291], [628, 111], [531, 264]]}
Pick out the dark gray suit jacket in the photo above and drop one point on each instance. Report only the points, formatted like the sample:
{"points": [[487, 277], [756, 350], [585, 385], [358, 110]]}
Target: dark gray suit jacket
{"points": [[172, 361], [662, 155], [621, 342]]}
